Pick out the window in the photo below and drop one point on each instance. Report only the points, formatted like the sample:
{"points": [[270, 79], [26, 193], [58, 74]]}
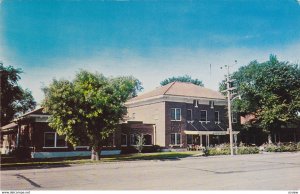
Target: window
{"points": [[217, 116], [60, 141], [53, 140], [133, 139], [189, 115], [234, 117], [49, 140], [175, 138], [203, 115], [175, 114], [148, 139], [123, 139]]}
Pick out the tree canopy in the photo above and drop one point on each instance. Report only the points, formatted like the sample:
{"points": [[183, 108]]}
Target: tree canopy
{"points": [[89, 108], [270, 91], [14, 99], [185, 78]]}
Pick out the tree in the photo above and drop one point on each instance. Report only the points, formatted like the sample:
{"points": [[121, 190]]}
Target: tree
{"points": [[185, 78], [270, 91], [14, 99], [89, 108]]}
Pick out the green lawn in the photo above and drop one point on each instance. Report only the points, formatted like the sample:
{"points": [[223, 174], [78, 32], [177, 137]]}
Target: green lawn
{"points": [[127, 157]]}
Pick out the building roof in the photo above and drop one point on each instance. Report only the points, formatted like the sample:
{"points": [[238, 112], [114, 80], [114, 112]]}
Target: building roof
{"points": [[183, 89]]}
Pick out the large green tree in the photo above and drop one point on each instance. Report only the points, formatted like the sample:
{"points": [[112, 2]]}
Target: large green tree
{"points": [[185, 78], [14, 99], [89, 108], [270, 91]]}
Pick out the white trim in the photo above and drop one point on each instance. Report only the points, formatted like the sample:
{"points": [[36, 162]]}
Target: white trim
{"points": [[54, 147], [206, 116], [175, 114], [209, 132], [176, 143], [76, 147], [204, 122], [55, 141], [212, 105], [173, 98], [39, 115]]}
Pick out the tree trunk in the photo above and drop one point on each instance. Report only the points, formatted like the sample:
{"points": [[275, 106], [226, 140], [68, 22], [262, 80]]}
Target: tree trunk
{"points": [[95, 154]]}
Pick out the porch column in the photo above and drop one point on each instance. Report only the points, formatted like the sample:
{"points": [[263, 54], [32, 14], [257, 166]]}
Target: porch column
{"points": [[207, 140], [200, 140]]}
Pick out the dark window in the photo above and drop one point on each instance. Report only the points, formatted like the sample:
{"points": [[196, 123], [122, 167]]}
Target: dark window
{"points": [[217, 116], [50, 139], [203, 115], [189, 115], [148, 139], [123, 139], [133, 139], [60, 140], [175, 138], [175, 114]]}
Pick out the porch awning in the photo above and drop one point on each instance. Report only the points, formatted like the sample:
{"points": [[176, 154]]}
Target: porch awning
{"points": [[9, 128], [209, 132]]}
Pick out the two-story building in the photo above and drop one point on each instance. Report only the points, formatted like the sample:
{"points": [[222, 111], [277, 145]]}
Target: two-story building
{"points": [[177, 115], [183, 114]]}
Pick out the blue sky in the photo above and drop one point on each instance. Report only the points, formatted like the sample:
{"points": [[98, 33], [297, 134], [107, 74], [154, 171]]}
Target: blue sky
{"points": [[151, 40]]}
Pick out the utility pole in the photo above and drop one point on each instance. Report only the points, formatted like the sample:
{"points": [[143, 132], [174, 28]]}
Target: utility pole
{"points": [[229, 110], [229, 96]]}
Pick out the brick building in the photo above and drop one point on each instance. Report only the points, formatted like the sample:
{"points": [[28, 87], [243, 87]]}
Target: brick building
{"points": [[183, 115], [177, 115]]}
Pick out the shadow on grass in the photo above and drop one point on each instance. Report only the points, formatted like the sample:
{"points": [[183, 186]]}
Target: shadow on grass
{"points": [[14, 163], [161, 156]]}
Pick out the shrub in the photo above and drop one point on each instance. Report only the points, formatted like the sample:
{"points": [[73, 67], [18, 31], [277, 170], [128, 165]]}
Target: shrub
{"points": [[128, 150], [140, 143], [248, 150], [289, 147], [218, 151], [224, 149], [150, 149]]}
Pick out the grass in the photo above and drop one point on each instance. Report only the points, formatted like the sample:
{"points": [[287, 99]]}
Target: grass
{"points": [[85, 160]]}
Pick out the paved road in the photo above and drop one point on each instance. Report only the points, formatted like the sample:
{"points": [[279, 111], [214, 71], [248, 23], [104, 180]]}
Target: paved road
{"points": [[277, 171]]}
